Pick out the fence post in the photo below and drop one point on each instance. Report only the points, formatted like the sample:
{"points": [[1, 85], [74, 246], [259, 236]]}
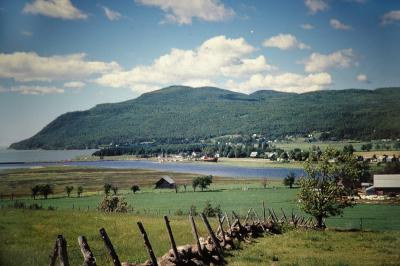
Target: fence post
{"points": [[89, 259], [53, 257], [361, 223], [195, 234], [211, 233], [171, 238], [147, 243], [110, 248], [62, 251]]}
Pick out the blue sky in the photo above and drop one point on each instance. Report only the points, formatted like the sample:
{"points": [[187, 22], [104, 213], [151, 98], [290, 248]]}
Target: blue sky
{"points": [[60, 55]]}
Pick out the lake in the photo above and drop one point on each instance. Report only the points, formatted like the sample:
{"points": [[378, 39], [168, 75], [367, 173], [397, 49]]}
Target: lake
{"points": [[37, 158]]}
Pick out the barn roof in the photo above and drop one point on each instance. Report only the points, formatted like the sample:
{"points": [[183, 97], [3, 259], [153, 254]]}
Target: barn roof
{"points": [[388, 181], [168, 179]]}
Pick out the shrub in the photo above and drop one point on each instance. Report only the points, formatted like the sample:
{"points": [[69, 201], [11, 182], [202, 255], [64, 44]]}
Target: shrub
{"points": [[178, 212], [113, 204], [211, 211]]}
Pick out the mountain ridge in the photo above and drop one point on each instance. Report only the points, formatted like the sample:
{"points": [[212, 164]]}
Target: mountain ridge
{"points": [[178, 113]]}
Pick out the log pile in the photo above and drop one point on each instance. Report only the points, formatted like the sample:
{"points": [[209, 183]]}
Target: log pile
{"points": [[207, 250]]}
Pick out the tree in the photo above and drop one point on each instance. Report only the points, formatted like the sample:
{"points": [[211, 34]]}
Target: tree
{"points": [[264, 182], [289, 180], [79, 191], [46, 190], [69, 189], [321, 194], [35, 191], [115, 190], [107, 188], [202, 182], [349, 149], [135, 188]]}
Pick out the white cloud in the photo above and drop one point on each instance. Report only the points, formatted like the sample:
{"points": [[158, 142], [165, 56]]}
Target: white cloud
{"points": [[390, 17], [287, 82], [307, 26], [362, 78], [74, 84], [22, 66], [33, 90], [182, 12], [54, 8], [111, 14], [336, 24], [285, 42], [26, 33], [320, 62], [218, 57], [315, 6]]}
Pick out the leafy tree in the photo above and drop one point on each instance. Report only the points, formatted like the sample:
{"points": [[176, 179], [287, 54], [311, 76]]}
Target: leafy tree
{"points": [[202, 182], [349, 149], [115, 190], [113, 204], [211, 211], [69, 189], [289, 180], [107, 189], [35, 191], [135, 188], [320, 193], [46, 190], [79, 191]]}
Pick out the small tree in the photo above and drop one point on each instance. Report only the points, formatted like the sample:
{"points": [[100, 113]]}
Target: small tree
{"points": [[289, 180], [107, 189], [320, 193], [35, 191], [113, 204], [69, 189], [79, 191], [211, 211], [264, 182], [201, 181], [185, 186], [115, 190], [46, 190], [135, 188]]}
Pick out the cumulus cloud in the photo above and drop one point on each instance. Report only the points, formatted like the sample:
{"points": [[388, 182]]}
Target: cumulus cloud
{"points": [[336, 24], [218, 57], [111, 14], [285, 42], [307, 26], [182, 12], [22, 66], [62, 9], [362, 78], [391, 17], [287, 82], [320, 62], [74, 84], [315, 6]]}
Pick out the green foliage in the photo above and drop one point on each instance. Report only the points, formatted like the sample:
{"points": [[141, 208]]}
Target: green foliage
{"points": [[69, 189], [115, 190], [45, 190], [135, 188], [113, 204], [289, 180], [211, 211], [186, 115], [79, 191], [320, 193], [35, 191], [391, 168], [202, 182], [107, 189]]}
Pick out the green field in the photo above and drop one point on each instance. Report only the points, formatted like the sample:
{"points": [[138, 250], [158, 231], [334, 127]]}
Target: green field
{"points": [[32, 233]]}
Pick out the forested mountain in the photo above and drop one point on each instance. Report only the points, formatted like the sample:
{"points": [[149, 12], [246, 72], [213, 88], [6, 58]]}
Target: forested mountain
{"points": [[179, 113]]}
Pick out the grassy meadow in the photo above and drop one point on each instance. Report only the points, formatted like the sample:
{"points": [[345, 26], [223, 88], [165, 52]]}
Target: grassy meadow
{"points": [[34, 231]]}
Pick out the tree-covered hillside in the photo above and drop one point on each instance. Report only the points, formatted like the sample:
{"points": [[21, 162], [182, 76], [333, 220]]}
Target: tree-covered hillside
{"points": [[179, 113]]}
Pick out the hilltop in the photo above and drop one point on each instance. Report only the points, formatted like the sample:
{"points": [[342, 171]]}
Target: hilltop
{"points": [[179, 113]]}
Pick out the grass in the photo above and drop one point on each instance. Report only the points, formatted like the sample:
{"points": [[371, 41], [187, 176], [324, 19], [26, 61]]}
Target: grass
{"points": [[32, 233], [321, 248]]}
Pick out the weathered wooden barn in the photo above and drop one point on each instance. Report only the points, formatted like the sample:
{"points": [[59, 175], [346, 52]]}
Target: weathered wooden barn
{"points": [[165, 182]]}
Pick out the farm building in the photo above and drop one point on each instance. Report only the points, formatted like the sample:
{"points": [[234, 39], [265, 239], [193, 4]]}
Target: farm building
{"points": [[385, 184], [165, 182]]}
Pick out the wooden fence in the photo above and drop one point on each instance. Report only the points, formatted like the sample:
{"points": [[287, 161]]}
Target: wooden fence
{"points": [[207, 250]]}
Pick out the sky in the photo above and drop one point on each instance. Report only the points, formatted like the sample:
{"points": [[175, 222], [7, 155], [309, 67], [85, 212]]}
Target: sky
{"points": [[59, 56]]}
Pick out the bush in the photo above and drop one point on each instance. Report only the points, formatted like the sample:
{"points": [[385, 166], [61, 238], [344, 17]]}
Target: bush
{"points": [[113, 204], [211, 211], [178, 212]]}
